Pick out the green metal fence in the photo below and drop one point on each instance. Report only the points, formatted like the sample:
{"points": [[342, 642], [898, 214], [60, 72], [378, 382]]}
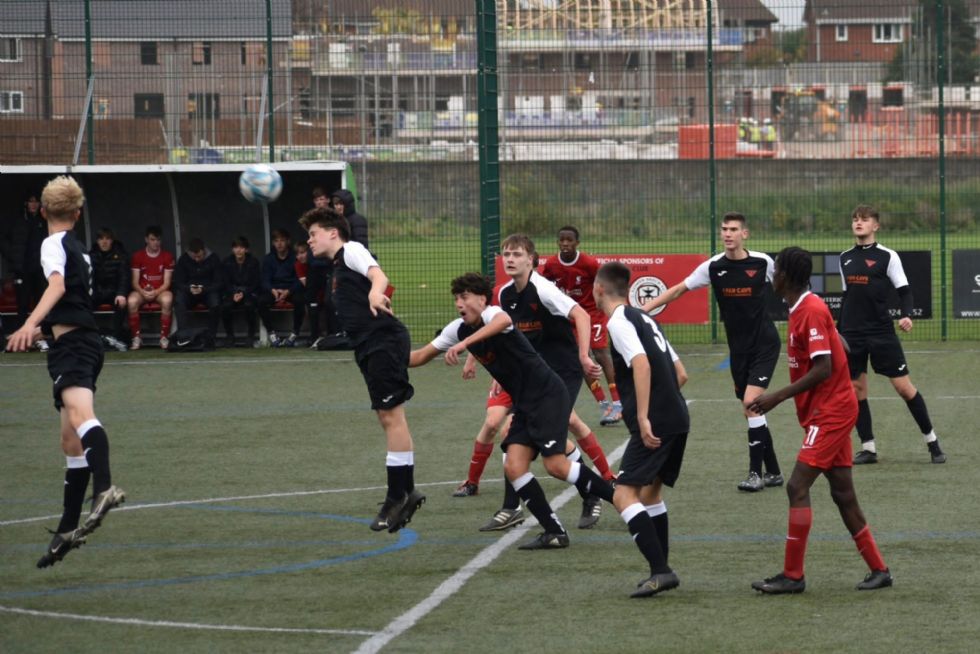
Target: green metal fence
{"points": [[638, 121]]}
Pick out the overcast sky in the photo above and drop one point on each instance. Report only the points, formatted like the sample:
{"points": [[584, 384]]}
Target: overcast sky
{"points": [[789, 12]]}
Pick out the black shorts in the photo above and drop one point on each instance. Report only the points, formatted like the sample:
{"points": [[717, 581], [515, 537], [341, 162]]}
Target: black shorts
{"points": [[75, 359], [884, 350], [642, 466], [753, 368], [543, 429], [383, 361]]}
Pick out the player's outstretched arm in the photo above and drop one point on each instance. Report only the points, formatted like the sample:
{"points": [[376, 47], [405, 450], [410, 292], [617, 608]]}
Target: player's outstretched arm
{"points": [[666, 297], [498, 324], [422, 356], [24, 337], [821, 370]]}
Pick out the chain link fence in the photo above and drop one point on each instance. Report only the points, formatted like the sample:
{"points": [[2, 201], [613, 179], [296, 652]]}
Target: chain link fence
{"points": [[640, 122]]}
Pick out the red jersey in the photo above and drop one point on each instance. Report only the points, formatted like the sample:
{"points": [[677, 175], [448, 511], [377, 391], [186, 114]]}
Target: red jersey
{"points": [[811, 334], [301, 269], [575, 279], [152, 267]]}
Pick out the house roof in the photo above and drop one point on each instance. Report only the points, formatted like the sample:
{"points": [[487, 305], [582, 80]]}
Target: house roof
{"points": [[22, 18], [858, 11], [169, 19], [746, 11]]}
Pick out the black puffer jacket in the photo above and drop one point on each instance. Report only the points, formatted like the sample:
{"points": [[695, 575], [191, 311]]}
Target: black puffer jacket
{"points": [[20, 242], [358, 223], [242, 278], [110, 270]]}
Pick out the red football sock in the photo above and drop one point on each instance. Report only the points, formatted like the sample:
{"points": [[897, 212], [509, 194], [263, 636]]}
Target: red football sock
{"points": [[614, 392], [800, 520], [165, 325], [596, 389], [134, 324], [481, 452], [591, 446], [869, 549]]}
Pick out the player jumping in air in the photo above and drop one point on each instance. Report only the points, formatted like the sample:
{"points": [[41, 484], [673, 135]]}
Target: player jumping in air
{"points": [[740, 279], [381, 348], [827, 409], [869, 271], [64, 314]]}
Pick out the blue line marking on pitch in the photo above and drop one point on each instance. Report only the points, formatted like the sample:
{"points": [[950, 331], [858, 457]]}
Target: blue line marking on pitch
{"points": [[725, 364], [406, 538]]}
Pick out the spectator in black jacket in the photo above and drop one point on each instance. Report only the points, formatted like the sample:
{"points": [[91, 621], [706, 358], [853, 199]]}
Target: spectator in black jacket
{"points": [[20, 244], [110, 283], [343, 203], [242, 286], [198, 279]]}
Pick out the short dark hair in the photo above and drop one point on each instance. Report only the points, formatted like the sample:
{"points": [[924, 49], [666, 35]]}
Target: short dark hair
{"points": [[196, 245], [734, 216], [865, 211], [615, 277], [105, 232], [279, 232], [240, 241], [318, 192], [519, 241], [326, 218], [796, 265], [569, 228], [474, 283], [154, 230], [301, 245]]}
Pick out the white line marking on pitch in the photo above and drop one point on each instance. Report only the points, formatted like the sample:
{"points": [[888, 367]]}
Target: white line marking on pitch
{"points": [[184, 625], [448, 588], [210, 500]]}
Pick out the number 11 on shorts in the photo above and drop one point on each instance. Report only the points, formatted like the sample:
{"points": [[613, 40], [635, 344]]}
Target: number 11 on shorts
{"points": [[811, 435]]}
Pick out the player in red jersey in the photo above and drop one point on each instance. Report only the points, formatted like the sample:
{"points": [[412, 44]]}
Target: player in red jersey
{"points": [[152, 270], [827, 409], [574, 271]]}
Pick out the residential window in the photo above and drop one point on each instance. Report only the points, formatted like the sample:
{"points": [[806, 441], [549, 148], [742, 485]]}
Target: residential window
{"points": [[11, 102], [887, 33], [583, 61], [148, 105], [244, 54], [203, 106], [841, 32], [202, 53], [10, 49], [148, 53]]}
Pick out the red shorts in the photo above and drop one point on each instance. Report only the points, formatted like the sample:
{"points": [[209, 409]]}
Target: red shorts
{"points": [[500, 399], [600, 335], [827, 446]]}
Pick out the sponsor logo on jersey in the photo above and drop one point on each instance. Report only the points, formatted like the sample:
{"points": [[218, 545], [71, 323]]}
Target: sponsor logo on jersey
{"points": [[721, 273], [534, 307], [751, 273], [530, 326], [870, 262], [737, 291], [643, 289], [848, 262], [858, 279]]}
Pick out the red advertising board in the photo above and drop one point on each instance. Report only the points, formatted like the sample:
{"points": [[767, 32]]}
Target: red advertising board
{"points": [[652, 274]]}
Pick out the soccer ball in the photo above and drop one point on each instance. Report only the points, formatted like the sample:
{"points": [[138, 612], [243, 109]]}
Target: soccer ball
{"points": [[260, 183]]}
